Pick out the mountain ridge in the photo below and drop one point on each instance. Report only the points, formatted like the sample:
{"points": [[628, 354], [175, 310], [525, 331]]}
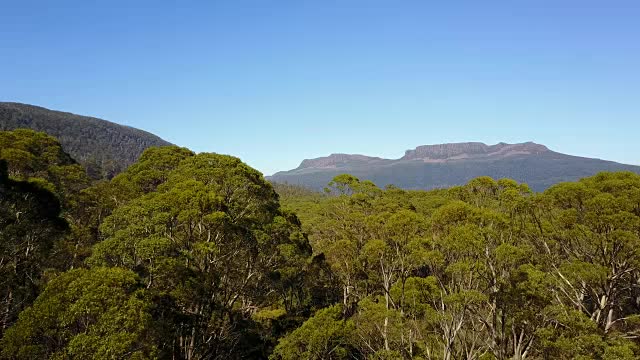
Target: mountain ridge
{"points": [[451, 164], [457, 151], [336, 159], [433, 152], [105, 148]]}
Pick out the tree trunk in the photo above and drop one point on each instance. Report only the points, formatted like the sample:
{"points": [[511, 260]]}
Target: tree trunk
{"points": [[7, 311], [386, 323]]}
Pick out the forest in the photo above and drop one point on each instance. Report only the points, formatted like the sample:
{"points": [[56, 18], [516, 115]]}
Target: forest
{"points": [[197, 256], [103, 148]]}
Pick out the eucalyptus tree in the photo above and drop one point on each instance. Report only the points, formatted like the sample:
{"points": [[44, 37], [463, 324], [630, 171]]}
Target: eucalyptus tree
{"points": [[103, 313], [30, 226], [213, 241]]}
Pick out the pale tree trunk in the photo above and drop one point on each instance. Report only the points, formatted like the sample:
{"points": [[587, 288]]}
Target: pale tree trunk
{"points": [[7, 310], [386, 319], [386, 278]]}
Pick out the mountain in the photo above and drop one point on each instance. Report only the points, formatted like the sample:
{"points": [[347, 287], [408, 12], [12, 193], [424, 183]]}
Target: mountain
{"points": [[103, 147], [446, 165]]}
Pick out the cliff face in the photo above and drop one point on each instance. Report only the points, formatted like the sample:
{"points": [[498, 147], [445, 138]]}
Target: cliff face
{"points": [[470, 150], [445, 165], [430, 153]]}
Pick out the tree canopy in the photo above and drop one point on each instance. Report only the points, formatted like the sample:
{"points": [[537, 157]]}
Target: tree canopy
{"points": [[196, 256]]}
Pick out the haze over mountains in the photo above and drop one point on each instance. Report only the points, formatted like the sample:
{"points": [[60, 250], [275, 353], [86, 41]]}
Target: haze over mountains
{"points": [[102, 147], [445, 165]]}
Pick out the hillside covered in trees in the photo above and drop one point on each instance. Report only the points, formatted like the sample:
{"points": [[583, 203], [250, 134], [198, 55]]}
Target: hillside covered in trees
{"points": [[197, 256], [102, 147]]}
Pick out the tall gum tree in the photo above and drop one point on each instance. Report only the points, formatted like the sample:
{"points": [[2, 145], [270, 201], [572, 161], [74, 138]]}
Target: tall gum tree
{"points": [[213, 239], [30, 225]]}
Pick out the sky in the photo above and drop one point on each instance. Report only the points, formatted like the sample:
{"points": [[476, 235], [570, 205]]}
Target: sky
{"points": [[275, 82]]}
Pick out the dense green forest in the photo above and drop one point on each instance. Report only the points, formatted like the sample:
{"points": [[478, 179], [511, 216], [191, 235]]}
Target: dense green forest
{"points": [[197, 256], [102, 147]]}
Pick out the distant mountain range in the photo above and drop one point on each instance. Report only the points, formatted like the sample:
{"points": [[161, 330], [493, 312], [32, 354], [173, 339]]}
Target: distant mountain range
{"points": [[446, 165], [103, 147], [106, 148]]}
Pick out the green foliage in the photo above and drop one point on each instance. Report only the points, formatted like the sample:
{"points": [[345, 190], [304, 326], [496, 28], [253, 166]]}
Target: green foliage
{"points": [[487, 270], [103, 148], [189, 256], [45, 165], [102, 313], [209, 236], [36, 156], [149, 172], [324, 336], [30, 226], [31, 154]]}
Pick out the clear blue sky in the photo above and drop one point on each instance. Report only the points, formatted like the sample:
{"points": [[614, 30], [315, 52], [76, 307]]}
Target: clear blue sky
{"points": [[274, 82]]}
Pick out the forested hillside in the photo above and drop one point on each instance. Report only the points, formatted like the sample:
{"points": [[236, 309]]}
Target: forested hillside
{"points": [[197, 256], [102, 147]]}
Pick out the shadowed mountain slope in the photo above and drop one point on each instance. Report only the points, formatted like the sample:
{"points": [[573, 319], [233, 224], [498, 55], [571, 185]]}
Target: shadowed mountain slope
{"points": [[102, 147]]}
